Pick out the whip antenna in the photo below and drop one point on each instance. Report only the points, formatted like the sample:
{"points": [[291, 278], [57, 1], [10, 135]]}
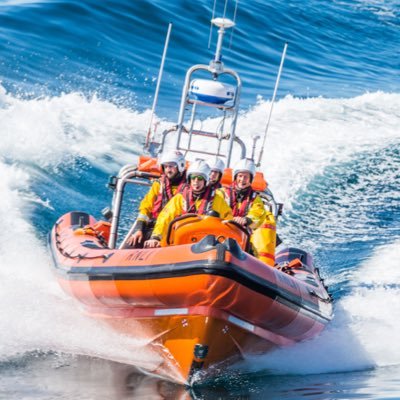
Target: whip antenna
{"points": [[211, 24], [160, 72], [234, 20], [226, 5], [272, 103]]}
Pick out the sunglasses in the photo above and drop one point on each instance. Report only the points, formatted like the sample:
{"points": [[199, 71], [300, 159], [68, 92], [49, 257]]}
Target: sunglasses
{"points": [[198, 177]]}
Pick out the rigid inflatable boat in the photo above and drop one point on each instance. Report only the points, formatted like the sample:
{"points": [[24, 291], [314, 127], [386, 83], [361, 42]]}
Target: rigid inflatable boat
{"points": [[203, 300]]}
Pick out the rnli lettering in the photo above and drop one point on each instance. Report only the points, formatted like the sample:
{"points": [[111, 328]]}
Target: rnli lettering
{"points": [[139, 255]]}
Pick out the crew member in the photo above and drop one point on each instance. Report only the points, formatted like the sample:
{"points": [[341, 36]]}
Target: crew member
{"points": [[198, 198], [249, 211], [171, 182], [217, 167]]}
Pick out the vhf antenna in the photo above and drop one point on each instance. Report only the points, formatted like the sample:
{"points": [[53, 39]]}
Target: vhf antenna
{"points": [[272, 103], [160, 72], [223, 16]]}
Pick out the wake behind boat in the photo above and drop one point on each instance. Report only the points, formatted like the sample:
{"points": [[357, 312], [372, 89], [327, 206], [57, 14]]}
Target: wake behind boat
{"points": [[203, 298]]}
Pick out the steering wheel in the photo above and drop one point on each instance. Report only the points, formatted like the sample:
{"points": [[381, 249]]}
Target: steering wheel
{"points": [[234, 223], [180, 218]]}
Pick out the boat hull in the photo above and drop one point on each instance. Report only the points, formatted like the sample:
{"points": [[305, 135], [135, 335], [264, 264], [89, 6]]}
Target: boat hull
{"points": [[201, 305]]}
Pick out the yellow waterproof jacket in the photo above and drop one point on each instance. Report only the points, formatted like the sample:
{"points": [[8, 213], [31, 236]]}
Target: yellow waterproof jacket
{"points": [[263, 240], [177, 206], [257, 212], [147, 204]]}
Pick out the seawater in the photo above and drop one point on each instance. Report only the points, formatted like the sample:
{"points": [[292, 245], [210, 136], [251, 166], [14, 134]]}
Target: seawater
{"points": [[77, 84]]}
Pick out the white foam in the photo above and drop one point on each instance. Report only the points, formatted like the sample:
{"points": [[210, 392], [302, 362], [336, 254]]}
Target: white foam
{"points": [[307, 135], [363, 333], [374, 304], [50, 131], [46, 132], [35, 315]]}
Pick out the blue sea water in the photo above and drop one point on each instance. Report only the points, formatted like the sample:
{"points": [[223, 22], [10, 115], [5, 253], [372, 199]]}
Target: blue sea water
{"points": [[77, 86]]}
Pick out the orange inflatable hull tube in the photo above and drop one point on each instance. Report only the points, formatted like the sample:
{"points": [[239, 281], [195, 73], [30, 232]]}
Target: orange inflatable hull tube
{"points": [[202, 301]]}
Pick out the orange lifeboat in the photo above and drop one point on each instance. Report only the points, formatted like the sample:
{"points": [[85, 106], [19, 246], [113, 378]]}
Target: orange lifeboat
{"points": [[202, 299]]}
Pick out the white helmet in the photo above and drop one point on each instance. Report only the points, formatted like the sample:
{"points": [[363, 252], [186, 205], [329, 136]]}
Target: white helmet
{"points": [[173, 156], [244, 165], [217, 165], [199, 167]]}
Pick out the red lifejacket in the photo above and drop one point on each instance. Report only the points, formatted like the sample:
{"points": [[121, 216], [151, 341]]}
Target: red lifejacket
{"points": [[246, 203], [165, 194], [207, 198]]}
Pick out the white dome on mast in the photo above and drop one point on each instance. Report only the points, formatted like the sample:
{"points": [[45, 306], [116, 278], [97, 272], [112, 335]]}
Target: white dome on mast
{"points": [[223, 22]]}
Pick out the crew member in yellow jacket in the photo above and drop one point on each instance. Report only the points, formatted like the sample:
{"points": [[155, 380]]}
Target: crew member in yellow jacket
{"points": [[249, 211], [198, 198], [217, 167], [172, 181]]}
